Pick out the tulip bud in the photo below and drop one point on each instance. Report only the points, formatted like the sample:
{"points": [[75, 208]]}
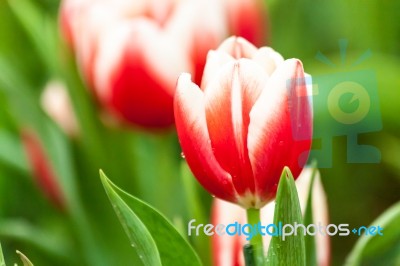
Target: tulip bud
{"points": [[41, 167], [241, 127], [56, 103], [225, 251]]}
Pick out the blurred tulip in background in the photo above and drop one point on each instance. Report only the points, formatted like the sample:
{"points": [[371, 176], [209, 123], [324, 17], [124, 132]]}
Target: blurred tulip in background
{"points": [[57, 104], [131, 52], [42, 169]]}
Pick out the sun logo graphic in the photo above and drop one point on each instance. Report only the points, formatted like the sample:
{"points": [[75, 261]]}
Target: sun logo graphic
{"points": [[345, 103]]}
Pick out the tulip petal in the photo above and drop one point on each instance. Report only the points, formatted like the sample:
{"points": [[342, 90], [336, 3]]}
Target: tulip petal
{"points": [[89, 21], [195, 142], [238, 47], [280, 114], [232, 48], [228, 101], [268, 59], [134, 75], [215, 61]]}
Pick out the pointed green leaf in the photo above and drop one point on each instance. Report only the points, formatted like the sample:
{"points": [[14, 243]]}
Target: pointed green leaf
{"points": [[384, 247], [291, 250], [311, 251], [156, 240], [25, 260], [2, 261], [139, 236]]}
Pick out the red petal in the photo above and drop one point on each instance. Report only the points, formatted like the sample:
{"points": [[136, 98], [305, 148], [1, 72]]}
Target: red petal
{"points": [[195, 142], [136, 73], [229, 99], [273, 142]]}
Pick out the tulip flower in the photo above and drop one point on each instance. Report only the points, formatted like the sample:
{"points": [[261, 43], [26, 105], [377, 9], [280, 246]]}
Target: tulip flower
{"points": [[132, 52], [227, 250], [250, 118], [42, 169]]}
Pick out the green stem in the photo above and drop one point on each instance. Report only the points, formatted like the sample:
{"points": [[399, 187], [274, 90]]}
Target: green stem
{"points": [[248, 255], [253, 218]]}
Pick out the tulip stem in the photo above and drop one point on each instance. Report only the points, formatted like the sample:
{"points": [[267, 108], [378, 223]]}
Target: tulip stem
{"points": [[253, 218]]}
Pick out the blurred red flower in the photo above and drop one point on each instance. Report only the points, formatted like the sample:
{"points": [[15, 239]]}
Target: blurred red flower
{"points": [[42, 169], [132, 52]]}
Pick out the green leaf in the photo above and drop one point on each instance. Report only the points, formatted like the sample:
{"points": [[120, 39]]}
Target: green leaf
{"points": [[369, 246], [11, 152], [138, 234], [197, 208], [48, 242], [2, 261], [41, 29], [155, 239], [311, 252], [291, 250], [25, 260]]}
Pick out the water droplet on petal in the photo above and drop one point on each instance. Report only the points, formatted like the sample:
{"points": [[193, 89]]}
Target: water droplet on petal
{"points": [[182, 155]]}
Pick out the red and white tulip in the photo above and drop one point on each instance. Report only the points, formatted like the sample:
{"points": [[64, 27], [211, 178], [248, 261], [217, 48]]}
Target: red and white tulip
{"points": [[132, 52], [242, 126]]}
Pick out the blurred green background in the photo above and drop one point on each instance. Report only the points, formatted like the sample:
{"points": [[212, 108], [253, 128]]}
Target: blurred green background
{"points": [[357, 193]]}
